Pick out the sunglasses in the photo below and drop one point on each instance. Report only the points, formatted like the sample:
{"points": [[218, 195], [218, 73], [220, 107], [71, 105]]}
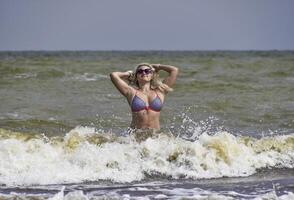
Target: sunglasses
{"points": [[145, 71]]}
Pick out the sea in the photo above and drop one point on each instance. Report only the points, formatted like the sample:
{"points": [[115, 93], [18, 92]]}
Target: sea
{"points": [[227, 129]]}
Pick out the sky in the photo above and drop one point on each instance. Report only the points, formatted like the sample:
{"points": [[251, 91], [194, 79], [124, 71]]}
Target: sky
{"points": [[146, 25]]}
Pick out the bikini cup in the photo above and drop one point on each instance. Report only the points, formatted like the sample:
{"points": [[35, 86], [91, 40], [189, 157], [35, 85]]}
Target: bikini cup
{"points": [[138, 104]]}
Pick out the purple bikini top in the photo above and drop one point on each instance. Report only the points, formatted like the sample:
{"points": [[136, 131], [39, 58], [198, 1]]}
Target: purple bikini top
{"points": [[138, 104]]}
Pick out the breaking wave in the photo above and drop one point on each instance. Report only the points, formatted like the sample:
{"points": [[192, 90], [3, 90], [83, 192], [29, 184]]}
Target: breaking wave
{"points": [[84, 154]]}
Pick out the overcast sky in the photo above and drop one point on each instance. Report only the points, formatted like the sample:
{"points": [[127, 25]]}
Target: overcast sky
{"points": [[146, 24]]}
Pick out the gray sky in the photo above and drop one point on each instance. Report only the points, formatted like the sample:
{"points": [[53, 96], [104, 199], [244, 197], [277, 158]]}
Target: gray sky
{"points": [[146, 24]]}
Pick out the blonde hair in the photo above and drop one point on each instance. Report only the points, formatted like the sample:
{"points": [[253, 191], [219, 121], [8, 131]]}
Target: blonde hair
{"points": [[156, 82]]}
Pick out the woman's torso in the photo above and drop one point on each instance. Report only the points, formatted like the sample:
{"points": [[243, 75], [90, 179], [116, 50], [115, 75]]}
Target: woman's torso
{"points": [[146, 108]]}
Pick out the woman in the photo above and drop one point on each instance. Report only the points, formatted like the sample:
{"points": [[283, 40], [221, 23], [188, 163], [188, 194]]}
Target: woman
{"points": [[147, 96]]}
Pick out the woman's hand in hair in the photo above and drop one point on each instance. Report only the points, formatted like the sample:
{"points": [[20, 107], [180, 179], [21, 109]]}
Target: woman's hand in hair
{"points": [[156, 67]]}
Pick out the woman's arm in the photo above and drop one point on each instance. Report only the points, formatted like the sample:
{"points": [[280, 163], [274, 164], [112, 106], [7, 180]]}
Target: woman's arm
{"points": [[120, 84], [171, 70]]}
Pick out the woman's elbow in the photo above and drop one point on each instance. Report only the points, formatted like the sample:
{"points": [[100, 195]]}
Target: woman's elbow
{"points": [[112, 75], [176, 70]]}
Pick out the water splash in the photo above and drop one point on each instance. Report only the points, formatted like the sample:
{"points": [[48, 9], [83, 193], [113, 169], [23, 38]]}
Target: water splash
{"points": [[86, 155]]}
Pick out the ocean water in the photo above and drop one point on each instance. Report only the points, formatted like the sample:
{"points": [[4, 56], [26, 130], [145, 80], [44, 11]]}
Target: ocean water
{"points": [[227, 129]]}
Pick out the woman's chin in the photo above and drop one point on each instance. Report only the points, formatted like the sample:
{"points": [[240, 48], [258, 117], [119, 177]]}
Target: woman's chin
{"points": [[145, 79]]}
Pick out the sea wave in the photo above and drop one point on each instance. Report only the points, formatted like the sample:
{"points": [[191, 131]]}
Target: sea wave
{"points": [[85, 154]]}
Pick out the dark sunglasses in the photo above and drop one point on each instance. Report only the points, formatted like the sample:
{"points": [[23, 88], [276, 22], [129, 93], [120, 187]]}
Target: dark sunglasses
{"points": [[146, 71]]}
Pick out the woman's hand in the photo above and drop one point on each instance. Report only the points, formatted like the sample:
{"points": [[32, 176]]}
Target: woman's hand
{"points": [[156, 67], [131, 75], [126, 75]]}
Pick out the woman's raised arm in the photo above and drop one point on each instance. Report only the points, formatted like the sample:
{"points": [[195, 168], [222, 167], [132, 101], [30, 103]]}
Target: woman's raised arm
{"points": [[171, 70], [120, 84]]}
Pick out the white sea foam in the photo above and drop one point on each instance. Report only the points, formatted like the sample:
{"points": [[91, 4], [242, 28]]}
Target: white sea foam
{"points": [[173, 194], [88, 77], [274, 196], [86, 155], [194, 193], [25, 75]]}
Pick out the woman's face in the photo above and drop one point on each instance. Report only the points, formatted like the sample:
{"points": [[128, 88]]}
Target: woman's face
{"points": [[144, 73]]}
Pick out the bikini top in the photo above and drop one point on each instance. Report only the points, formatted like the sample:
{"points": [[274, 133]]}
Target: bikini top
{"points": [[138, 104]]}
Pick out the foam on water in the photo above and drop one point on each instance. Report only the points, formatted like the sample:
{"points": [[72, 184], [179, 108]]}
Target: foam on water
{"points": [[199, 194], [25, 75], [176, 193], [88, 155], [86, 77]]}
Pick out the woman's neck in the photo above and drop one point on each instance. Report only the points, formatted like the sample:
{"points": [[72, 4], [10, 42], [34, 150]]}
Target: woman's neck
{"points": [[145, 87]]}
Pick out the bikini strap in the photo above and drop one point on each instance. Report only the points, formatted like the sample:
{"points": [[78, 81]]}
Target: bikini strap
{"points": [[136, 91]]}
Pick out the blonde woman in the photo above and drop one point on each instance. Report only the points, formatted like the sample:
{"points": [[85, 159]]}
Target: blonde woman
{"points": [[145, 92]]}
